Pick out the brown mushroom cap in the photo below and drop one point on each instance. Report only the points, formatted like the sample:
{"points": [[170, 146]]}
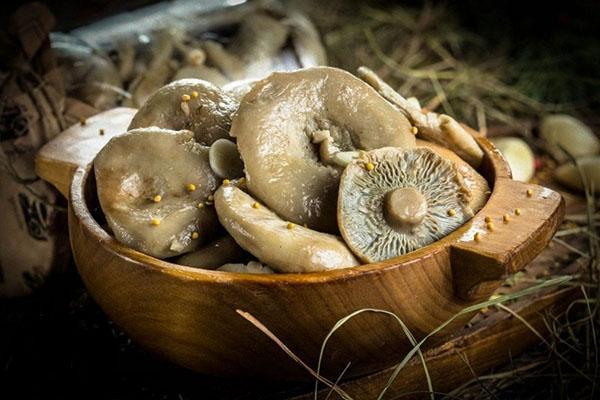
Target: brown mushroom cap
{"points": [[134, 168], [477, 188], [274, 127], [283, 246], [408, 199], [208, 115]]}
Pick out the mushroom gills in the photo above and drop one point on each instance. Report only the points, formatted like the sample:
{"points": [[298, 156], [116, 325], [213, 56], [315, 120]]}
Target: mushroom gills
{"points": [[409, 198], [282, 245], [149, 183]]}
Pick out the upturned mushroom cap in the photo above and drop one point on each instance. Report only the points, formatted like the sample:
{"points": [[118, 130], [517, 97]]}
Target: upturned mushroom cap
{"points": [[394, 201], [225, 159], [150, 183], [190, 104], [476, 187], [274, 127], [282, 245]]}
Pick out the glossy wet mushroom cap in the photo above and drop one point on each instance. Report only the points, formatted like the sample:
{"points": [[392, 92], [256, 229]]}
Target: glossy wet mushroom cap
{"points": [[190, 104], [284, 246], [394, 201], [278, 121], [150, 182]]}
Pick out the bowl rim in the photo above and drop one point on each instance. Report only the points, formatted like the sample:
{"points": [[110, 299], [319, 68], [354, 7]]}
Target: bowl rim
{"points": [[495, 165]]}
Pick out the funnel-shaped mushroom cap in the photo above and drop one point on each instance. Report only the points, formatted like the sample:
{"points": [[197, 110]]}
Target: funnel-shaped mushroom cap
{"points": [[282, 245], [275, 126], [192, 104], [394, 201], [150, 182], [477, 188]]}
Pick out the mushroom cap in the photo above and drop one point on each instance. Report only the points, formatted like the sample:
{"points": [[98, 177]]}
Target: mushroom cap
{"points": [[134, 168], [478, 190], [561, 131], [208, 115], [284, 247], [519, 156], [411, 198], [225, 159], [274, 127], [238, 89], [215, 254]]}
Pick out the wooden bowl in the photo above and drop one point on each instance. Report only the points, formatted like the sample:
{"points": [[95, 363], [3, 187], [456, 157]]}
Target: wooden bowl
{"points": [[188, 315]]}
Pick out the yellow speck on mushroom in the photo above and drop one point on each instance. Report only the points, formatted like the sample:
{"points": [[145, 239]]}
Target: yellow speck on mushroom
{"points": [[210, 197], [451, 212], [190, 187], [226, 182], [101, 131], [195, 235], [517, 211], [488, 219], [157, 198], [290, 225], [490, 226], [200, 205], [369, 166], [529, 192], [194, 94], [255, 205], [155, 222], [477, 237], [414, 130], [505, 218], [82, 121], [185, 97]]}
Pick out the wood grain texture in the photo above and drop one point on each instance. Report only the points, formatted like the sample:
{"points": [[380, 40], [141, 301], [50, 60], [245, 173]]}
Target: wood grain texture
{"points": [[493, 342], [188, 315]]}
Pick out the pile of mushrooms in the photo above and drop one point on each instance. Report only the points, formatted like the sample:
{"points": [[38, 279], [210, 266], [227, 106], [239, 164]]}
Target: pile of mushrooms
{"points": [[302, 171]]}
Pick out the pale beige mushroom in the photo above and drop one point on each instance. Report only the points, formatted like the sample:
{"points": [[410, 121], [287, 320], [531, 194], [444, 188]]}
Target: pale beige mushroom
{"points": [[275, 126], [152, 185], [394, 201], [519, 156], [570, 175], [215, 254], [225, 159], [229, 64], [438, 128], [477, 190], [306, 40], [284, 246], [562, 133], [253, 267], [188, 104]]}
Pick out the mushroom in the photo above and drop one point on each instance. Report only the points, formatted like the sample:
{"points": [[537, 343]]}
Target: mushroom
{"points": [[238, 89], [152, 184], [203, 72], [188, 104], [569, 174], [253, 267], [476, 187], [438, 128], [519, 156], [562, 133], [283, 245], [88, 75], [306, 40], [230, 64], [394, 201], [225, 160], [221, 251], [276, 123]]}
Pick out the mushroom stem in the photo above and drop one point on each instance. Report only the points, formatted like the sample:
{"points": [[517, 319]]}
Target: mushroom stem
{"points": [[329, 152], [439, 128], [405, 207]]}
